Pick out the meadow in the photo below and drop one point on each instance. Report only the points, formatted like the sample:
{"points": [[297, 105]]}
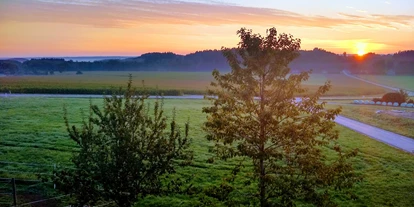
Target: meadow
{"points": [[168, 83], [403, 82], [32, 131]]}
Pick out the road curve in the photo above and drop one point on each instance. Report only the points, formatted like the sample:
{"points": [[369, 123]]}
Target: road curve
{"points": [[387, 137], [398, 141], [410, 93]]}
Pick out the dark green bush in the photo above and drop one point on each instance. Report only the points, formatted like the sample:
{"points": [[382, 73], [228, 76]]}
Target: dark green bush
{"points": [[393, 97], [377, 99]]}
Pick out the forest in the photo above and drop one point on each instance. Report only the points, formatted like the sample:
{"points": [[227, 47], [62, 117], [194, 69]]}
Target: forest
{"points": [[318, 60]]}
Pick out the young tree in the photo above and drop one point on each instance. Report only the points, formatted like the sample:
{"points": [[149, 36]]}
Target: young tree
{"points": [[124, 151], [255, 114]]}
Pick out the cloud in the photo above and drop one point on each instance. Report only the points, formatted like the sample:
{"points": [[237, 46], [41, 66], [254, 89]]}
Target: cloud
{"points": [[122, 14]]}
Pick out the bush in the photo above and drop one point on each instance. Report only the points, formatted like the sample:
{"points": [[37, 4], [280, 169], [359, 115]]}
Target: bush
{"points": [[79, 72], [377, 99], [410, 101], [394, 97]]}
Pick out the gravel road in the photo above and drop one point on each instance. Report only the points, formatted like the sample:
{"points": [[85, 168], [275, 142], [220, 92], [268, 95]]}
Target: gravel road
{"points": [[387, 137]]}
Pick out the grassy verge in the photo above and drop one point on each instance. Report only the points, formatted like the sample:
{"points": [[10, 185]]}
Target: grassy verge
{"points": [[370, 114], [32, 131]]}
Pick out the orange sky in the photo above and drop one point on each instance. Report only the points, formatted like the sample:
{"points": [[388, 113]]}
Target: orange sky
{"points": [[118, 27]]}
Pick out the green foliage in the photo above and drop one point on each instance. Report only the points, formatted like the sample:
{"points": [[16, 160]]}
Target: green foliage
{"points": [[9, 67], [124, 151], [403, 94], [394, 97], [254, 114]]}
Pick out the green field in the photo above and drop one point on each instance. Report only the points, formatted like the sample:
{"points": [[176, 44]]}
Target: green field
{"points": [[170, 83], [32, 131], [403, 82]]}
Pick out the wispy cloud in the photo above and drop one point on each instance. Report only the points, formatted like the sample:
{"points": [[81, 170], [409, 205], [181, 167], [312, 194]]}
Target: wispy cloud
{"points": [[122, 13]]}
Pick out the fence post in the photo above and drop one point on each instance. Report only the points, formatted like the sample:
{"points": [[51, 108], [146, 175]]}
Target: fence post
{"points": [[14, 192]]}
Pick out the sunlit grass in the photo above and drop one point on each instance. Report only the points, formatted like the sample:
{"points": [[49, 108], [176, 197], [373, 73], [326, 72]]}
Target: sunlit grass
{"points": [[32, 131]]}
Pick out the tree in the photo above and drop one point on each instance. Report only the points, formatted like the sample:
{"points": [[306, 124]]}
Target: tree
{"points": [[124, 151], [9, 67], [404, 95], [254, 114]]}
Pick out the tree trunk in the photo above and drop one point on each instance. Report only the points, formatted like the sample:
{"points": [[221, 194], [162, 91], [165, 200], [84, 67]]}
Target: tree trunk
{"points": [[262, 186]]}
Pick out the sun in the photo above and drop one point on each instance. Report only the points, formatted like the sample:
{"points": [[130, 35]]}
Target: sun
{"points": [[361, 52], [361, 48]]}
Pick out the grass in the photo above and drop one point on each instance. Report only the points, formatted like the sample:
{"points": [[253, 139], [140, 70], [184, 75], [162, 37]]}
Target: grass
{"points": [[170, 83], [32, 131], [404, 82], [368, 114]]}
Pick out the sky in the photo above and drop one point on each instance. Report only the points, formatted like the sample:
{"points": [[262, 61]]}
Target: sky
{"points": [[40, 28]]}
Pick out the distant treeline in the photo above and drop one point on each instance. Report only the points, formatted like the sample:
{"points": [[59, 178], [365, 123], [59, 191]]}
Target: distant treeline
{"points": [[319, 60]]}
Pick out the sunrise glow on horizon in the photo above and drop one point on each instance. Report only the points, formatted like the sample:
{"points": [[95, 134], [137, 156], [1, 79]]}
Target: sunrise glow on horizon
{"points": [[35, 28]]}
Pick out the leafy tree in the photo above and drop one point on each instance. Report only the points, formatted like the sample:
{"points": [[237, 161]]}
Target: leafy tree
{"points": [[404, 95], [124, 151], [399, 97], [9, 67], [254, 114]]}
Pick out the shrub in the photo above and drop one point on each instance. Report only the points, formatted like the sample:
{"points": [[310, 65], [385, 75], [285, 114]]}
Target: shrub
{"points": [[410, 101], [79, 72], [377, 99], [393, 97]]}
